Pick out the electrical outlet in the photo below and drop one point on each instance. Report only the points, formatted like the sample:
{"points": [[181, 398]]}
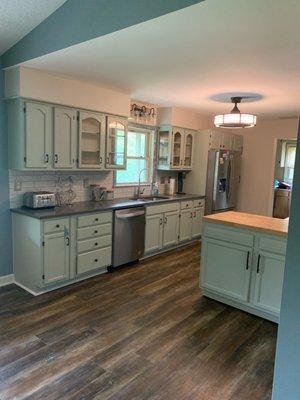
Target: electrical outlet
{"points": [[17, 185], [86, 183]]}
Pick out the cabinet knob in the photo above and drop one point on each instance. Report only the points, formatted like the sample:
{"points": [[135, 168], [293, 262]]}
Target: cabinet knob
{"points": [[96, 231], [96, 260], [96, 244], [96, 219], [57, 226]]}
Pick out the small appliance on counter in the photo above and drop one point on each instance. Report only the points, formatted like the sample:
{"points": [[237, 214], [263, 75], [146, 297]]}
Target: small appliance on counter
{"points": [[98, 193], [39, 199]]}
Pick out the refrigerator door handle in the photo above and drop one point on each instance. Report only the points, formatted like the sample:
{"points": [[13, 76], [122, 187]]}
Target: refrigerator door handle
{"points": [[228, 181]]}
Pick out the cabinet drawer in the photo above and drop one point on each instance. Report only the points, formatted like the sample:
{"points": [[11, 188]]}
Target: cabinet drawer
{"points": [[94, 231], [186, 204], [56, 225], [198, 203], [93, 260], [94, 219], [162, 208], [93, 244], [274, 245], [231, 235]]}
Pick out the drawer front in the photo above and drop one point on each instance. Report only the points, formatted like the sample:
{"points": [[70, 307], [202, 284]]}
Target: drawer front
{"points": [[94, 259], [186, 204], [93, 244], [198, 203], [232, 235], [272, 244], [94, 231], [94, 219], [162, 208], [56, 225]]}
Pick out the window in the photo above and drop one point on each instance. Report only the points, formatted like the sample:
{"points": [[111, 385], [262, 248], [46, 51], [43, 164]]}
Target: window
{"points": [[139, 157], [289, 162]]}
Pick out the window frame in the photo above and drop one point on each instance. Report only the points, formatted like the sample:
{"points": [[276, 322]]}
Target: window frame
{"points": [[149, 156]]}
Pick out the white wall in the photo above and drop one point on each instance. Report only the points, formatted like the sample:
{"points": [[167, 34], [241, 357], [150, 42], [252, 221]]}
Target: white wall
{"points": [[40, 85], [184, 118], [256, 190]]}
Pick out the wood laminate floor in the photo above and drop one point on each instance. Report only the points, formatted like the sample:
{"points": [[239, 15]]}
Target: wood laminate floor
{"points": [[144, 332]]}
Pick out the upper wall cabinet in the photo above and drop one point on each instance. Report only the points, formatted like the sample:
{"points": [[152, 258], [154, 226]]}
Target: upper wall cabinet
{"points": [[116, 142], [91, 140], [175, 148], [64, 138], [225, 141], [47, 137]]}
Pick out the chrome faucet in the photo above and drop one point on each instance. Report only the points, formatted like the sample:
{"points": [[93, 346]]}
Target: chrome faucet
{"points": [[139, 190]]}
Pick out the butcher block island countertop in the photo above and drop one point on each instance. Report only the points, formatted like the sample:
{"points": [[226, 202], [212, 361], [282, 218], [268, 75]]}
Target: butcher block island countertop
{"points": [[251, 221]]}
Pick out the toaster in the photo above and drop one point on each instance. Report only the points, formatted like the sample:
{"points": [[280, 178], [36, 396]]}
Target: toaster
{"points": [[39, 199]]}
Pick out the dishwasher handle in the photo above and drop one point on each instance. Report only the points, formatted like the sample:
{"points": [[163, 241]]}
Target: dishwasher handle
{"points": [[130, 214]]}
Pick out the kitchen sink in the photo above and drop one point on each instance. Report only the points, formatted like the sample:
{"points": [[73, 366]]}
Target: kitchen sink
{"points": [[149, 198]]}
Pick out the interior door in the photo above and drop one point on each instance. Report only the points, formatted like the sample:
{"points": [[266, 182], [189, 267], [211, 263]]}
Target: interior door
{"points": [[269, 281], [64, 138], [116, 143], [226, 268], [91, 140], [56, 257], [153, 233], [171, 228], [38, 134]]}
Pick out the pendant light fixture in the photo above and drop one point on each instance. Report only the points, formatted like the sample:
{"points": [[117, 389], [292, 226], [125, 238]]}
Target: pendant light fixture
{"points": [[235, 119]]}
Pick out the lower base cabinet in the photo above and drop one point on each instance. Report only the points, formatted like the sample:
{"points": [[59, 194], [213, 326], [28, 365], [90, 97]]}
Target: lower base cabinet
{"points": [[56, 258], [243, 268]]}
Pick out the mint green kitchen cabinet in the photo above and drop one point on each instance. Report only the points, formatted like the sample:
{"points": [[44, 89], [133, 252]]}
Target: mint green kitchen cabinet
{"points": [[243, 268], [226, 268], [91, 140], [56, 257], [186, 223], [154, 233], [116, 142], [269, 281], [197, 222], [171, 228], [64, 138], [191, 214]]}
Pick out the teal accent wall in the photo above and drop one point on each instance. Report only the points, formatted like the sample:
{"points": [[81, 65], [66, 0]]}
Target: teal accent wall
{"points": [[79, 20], [5, 220], [287, 366]]}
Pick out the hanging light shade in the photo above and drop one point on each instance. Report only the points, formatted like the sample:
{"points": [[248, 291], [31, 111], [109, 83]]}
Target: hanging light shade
{"points": [[235, 119]]}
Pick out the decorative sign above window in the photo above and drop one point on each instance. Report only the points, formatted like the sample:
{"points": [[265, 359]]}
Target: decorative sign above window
{"points": [[143, 113]]}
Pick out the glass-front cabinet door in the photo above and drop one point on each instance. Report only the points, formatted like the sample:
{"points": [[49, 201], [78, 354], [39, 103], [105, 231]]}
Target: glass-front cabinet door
{"points": [[116, 142], [177, 148], [188, 150], [164, 149], [91, 140]]}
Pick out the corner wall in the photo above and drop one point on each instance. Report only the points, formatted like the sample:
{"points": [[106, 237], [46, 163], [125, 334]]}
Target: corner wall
{"points": [[5, 221], [256, 190]]}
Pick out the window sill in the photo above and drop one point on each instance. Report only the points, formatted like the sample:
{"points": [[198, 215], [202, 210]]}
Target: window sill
{"points": [[128, 185]]}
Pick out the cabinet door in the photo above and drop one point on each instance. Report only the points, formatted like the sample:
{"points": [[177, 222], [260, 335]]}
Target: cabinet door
{"points": [[56, 257], [64, 138], [38, 134], [154, 232], [177, 148], [197, 222], [225, 268], [185, 225], [164, 148], [237, 143], [226, 142], [116, 143], [269, 281], [215, 140], [171, 228], [91, 140], [188, 150]]}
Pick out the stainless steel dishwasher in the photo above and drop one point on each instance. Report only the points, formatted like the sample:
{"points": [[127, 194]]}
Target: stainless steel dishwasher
{"points": [[129, 235]]}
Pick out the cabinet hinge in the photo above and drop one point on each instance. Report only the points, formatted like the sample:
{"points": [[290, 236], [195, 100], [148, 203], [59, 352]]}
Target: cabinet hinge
{"points": [[43, 276], [43, 243]]}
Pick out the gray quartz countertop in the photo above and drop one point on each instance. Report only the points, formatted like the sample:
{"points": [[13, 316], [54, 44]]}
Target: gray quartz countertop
{"points": [[84, 207]]}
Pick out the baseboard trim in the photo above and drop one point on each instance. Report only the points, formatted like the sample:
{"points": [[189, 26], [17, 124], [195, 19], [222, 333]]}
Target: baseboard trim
{"points": [[7, 280]]}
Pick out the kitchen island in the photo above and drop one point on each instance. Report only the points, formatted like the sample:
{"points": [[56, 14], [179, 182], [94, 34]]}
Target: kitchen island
{"points": [[242, 261]]}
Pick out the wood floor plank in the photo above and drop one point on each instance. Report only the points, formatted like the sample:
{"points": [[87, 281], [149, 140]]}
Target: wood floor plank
{"points": [[143, 332]]}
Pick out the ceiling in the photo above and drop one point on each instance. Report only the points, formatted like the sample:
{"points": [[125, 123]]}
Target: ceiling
{"points": [[19, 17], [192, 57]]}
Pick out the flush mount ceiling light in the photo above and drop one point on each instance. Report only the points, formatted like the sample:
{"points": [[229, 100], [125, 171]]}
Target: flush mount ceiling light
{"points": [[235, 119]]}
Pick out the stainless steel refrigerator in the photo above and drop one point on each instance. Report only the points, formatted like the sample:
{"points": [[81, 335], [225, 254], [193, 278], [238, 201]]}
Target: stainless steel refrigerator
{"points": [[222, 182]]}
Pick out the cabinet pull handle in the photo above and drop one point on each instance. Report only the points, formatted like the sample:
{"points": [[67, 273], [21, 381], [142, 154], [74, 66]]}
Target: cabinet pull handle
{"points": [[194, 214], [160, 221], [166, 220], [67, 241], [55, 158], [247, 262], [46, 158], [258, 263], [191, 215]]}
